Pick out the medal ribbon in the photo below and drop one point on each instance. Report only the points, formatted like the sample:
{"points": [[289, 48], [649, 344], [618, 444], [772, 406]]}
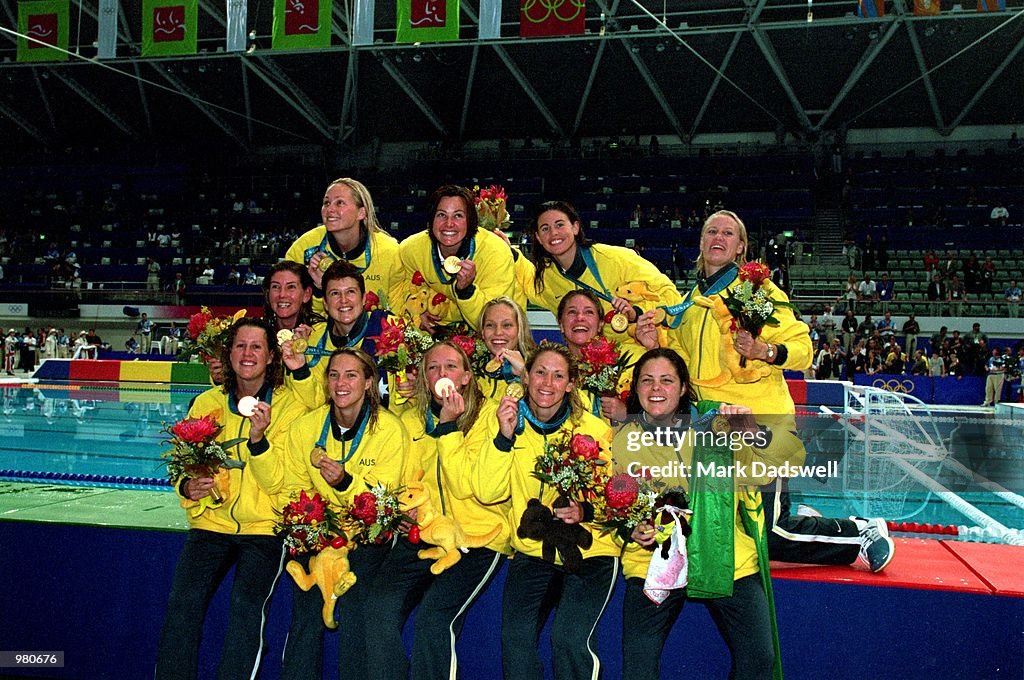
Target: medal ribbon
{"points": [[438, 262], [364, 417], [676, 311], [325, 248]]}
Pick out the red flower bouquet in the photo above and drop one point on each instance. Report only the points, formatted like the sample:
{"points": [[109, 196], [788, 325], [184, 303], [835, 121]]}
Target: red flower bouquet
{"points": [[601, 364], [491, 207], [627, 502], [195, 451], [374, 516], [309, 524], [750, 304], [572, 464], [400, 345], [207, 333]]}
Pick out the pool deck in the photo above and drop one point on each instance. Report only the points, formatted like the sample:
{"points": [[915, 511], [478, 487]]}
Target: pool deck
{"points": [[91, 505]]}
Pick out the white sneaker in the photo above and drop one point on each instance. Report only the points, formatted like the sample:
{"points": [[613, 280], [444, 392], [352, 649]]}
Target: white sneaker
{"points": [[876, 548], [807, 511]]}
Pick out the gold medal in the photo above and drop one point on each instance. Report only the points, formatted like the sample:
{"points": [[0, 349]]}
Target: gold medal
{"points": [[492, 365], [452, 264], [514, 390], [720, 424], [299, 345], [620, 322], [325, 264], [284, 335], [659, 316], [316, 455]]}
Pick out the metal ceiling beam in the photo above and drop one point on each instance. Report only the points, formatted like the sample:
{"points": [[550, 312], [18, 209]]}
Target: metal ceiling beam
{"points": [[933, 100], [349, 109], [143, 99], [301, 101], [715, 83], [610, 12], [44, 98], [320, 125], [24, 124], [411, 92], [524, 83], [987, 84], [94, 101], [866, 59], [246, 99], [780, 73], [178, 84], [469, 90], [652, 85]]}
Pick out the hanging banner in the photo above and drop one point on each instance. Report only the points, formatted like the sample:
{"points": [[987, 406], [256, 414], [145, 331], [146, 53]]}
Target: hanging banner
{"points": [[490, 19], [427, 21], [301, 24], [169, 27], [235, 40], [991, 5], [871, 9], [47, 21], [362, 23], [542, 18], [926, 8], [106, 40]]}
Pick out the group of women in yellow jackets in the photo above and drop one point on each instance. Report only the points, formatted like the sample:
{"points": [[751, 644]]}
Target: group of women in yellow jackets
{"points": [[474, 438]]}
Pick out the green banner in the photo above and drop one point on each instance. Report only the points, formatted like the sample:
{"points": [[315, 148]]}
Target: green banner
{"points": [[47, 21], [427, 21], [301, 24], [169, 27]]}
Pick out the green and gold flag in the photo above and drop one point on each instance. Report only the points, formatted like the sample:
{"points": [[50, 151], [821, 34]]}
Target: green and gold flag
{"points": [[427, 21], [47, 22], [169, 27], [301, 24]]}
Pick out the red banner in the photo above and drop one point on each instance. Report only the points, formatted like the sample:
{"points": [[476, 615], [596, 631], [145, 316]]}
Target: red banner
{"points": [[169, 23], [302, 18], [541, 18]]}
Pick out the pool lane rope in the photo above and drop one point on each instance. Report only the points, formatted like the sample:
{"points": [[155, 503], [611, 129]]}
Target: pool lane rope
{"points": [[83, 478]]}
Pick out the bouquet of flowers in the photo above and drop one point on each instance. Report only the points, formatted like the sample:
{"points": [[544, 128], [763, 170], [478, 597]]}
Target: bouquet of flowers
{"points": [[750, 304], [491, 210], [207, 333], [400, 345], [195, 451], [374, 516], [309, 524], [627, 502], [572, 464], [463, 336], [601, 364]]}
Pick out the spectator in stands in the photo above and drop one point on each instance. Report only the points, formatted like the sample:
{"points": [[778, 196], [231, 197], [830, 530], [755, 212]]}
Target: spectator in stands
{"points": [[866, 328], [209, 273], [972, 275], [954, 368], [814, 329], [131, 345], [144, 328], [884, 291], [931, 263], [867, 256], [872, 362], [152, 275], [999, 215], [886, 327], [867, 292], [828, 324], [911, 329], [956, 295], [988, 275], [920, 365], [894, 359], [995, 367], [234, 277], [937, 294], [851, 292], [828, 364], [849, 328], [976, 336], [780, 277], [1012, 295], [856, 360], [950, 265], [171, 340], [936, 364], [50, 344], [250, 277], [179, 288], [11, 342]]}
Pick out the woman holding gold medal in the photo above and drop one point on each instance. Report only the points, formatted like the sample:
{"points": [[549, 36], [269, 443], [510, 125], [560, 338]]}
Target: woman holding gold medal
{"points": [[339, 449], [738, 368], [448, 426], [350, 232], [456, 259], [348, 325], [579, 319], [231, 514], [564, 260], [726, 551], [506, 333]]}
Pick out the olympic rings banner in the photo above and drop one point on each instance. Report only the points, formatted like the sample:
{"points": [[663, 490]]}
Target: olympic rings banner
{"points": [[542, 18], [967, 390]]}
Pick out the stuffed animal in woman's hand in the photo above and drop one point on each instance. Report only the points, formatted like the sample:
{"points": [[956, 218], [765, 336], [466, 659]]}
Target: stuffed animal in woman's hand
{"points": [[540, 524]]}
